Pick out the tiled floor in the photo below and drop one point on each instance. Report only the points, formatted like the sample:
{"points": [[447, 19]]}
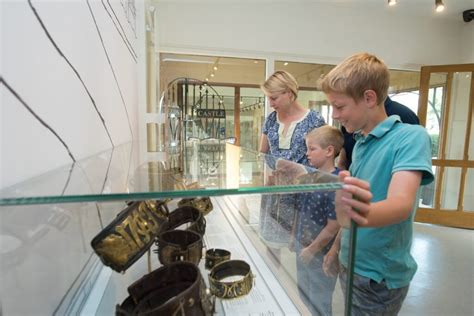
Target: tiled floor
{"points": [[444, 282]]}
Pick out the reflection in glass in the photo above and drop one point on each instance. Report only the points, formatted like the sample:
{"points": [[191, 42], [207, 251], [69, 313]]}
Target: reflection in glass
{"points": [[45, 247], [316, 100], [407, 98], [458, 115], [450, 188], [252, 109], [283, 238]]}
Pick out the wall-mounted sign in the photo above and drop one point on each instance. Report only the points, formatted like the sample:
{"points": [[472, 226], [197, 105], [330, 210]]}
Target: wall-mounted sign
{"points": [[210, 113]]}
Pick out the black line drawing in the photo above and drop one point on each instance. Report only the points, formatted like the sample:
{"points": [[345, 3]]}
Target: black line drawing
{"points": [[68, 178], [107, 171], [20, 99], [124, 38], [72, 67], [111, 68], [130, 13], [129, 164]]}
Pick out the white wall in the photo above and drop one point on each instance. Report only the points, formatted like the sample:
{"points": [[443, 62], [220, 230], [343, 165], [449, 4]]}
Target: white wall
{"points": [[69, 82], [314, 32], [467, 42], [65, 65]]}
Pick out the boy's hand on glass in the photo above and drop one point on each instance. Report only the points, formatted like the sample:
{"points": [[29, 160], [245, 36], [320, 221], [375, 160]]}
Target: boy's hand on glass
{"points": [[288, 171], [291, 244], [353, 201], [306, 255], [270, 181], [331, 263]]}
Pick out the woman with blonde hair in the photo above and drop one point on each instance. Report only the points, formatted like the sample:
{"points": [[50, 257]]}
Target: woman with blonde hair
{"points": [[283, 138]]}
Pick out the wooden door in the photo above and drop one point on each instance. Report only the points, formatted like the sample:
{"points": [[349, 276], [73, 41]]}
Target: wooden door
{"points": [[446, 110]]}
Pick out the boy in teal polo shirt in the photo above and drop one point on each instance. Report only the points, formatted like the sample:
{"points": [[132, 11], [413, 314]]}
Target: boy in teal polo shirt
{"points": [[390, 162]]}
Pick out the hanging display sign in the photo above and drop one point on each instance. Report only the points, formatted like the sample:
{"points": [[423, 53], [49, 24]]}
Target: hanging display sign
{"points": [[210, 113], [211, 148]]}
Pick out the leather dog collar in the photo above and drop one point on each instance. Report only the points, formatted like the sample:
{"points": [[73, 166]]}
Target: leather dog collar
{"points": [[215, 256], [231, 289], [203, 204], [130, 234], [183, 215], [179, 245], [174, 289]]}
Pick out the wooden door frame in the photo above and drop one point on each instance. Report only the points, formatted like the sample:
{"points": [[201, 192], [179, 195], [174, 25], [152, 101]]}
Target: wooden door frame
{"points": [[437, 215]]}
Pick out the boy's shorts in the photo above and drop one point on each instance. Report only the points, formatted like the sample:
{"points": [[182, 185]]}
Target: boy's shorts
{"points": [[372, 298]]}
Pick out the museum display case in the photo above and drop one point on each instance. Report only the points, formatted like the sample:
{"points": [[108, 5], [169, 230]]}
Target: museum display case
{"points": [[48, 223]]}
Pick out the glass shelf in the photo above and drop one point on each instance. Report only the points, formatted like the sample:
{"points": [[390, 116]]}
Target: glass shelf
{"points": [[199, 168]]}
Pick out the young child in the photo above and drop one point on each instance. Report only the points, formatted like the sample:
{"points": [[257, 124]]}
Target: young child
{"points": [[389, 162], [316, 225]]}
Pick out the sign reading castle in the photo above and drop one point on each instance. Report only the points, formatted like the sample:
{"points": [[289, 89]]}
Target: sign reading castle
{"points": [[210, 113]]}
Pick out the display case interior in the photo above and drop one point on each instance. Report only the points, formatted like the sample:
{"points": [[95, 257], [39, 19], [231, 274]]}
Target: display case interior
{"points": [[48, 224]]}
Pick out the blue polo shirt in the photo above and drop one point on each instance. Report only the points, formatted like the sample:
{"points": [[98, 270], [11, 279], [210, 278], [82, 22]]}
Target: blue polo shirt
{"points": [[383, 253]]}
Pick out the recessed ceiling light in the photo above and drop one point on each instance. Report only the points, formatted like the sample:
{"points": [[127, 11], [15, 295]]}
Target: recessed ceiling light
{"points": [[439, 5]]}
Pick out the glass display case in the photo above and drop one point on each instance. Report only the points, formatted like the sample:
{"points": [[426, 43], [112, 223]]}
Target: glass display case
{"points": [[47, 223]]}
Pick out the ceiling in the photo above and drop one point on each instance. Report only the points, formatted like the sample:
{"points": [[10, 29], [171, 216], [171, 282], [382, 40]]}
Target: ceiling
{"points": [[239, 70], [453, 8]]}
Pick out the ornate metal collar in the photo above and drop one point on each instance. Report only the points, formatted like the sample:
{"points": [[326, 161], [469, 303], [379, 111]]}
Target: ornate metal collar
{"points": [[231, 289]]}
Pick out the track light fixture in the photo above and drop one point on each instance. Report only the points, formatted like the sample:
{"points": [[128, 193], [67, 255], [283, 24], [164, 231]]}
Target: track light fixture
{"points": [[439, 5]]}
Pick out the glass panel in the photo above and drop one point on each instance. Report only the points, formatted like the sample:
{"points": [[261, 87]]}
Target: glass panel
{"points": [[252, 112], [404, 81], [202, 168], [226, 229], [213, 68], [306, 74], [404, 86], [227, 95], [468, 203], [427, 192], [435, 110], [458, 115], [316, 100], [408, 98], [285, 243], [470, 152], [450, 188], [45, 256]]}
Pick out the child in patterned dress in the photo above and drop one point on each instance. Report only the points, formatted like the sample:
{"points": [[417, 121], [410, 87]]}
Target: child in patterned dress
{"points": [[315, 226]]}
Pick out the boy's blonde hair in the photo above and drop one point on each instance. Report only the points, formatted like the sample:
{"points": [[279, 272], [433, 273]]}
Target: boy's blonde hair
{"points": [[356, 74], [280, 82], [325, 136]]}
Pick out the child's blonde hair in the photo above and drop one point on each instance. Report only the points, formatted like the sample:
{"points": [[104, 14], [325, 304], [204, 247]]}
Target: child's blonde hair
{"points": [[326, 136], [356, 74], [280, 82]]}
